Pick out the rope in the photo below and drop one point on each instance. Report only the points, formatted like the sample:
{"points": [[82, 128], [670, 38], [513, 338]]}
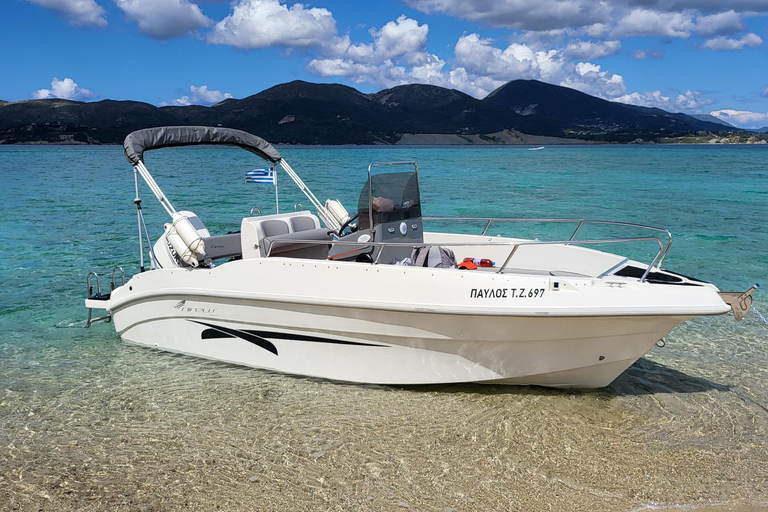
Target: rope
{"points": [[760, 315]]}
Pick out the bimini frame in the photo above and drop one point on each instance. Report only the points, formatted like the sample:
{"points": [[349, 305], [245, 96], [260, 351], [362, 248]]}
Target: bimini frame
{"points": [[136, 143]]}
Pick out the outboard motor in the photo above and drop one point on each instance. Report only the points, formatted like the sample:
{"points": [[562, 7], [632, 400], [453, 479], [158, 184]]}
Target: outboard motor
{"points": [[182, 243]]}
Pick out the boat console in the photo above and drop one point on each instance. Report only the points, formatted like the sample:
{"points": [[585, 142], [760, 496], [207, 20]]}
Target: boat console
{"points": [[389, 210]]}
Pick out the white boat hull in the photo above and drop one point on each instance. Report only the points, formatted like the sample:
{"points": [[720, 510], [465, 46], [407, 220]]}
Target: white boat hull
{"points": [[382, 301], [427, 326]]}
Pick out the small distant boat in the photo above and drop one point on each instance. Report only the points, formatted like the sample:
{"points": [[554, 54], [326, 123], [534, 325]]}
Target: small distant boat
{"points": [[536, 148], [372, 298]]}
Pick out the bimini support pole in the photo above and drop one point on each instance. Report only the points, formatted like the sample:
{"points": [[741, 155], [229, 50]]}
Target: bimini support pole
{"points": [[184, 238], [154, 187], [322, 212], [137, 202], [141, 169]]}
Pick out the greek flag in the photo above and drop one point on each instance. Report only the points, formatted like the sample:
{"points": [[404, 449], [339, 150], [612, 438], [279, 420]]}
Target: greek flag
{"points": [[261, 176]]}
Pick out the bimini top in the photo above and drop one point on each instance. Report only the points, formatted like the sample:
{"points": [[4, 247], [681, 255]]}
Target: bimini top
{"points": [[136, 143]]}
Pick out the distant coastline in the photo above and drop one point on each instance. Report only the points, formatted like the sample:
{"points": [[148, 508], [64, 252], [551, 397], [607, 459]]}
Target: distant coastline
{"points": [[505, 138], [521, 112], [512, 138]]}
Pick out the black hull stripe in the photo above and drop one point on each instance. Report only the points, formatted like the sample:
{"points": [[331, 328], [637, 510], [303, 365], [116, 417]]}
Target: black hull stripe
{"points": [[252, 338], [212, 334], [313, 339], [258, 337]]}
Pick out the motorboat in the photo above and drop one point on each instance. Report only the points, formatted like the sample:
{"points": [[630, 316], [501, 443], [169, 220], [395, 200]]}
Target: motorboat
{"points": [[375, 296]]}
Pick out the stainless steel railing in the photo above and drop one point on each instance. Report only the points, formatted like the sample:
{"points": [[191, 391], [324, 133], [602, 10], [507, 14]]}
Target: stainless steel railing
{"points": [[572, 239], [514, 245]]}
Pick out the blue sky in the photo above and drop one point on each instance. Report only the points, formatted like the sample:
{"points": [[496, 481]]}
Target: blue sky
{"points": [[692, 56]]}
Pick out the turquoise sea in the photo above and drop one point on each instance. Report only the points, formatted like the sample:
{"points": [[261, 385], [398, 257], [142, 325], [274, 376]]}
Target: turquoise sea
{"points": [[88, 422]]}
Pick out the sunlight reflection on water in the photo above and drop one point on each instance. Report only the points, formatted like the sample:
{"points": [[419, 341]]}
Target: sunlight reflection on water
{"points": [[88, 422]]}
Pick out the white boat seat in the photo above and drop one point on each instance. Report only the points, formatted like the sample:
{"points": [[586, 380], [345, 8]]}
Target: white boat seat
{"points": [[303, 223], [256, 229], [275, 227], [282, 245]]}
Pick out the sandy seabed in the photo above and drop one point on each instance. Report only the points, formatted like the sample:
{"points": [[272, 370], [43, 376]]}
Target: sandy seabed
{"points": [[143, 430]]}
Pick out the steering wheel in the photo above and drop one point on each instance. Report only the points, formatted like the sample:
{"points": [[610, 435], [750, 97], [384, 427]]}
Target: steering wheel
{"points": [[346, 224]]}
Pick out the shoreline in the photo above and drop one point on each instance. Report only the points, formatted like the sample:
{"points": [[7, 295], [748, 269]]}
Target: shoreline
{"points": [[564, 142], [502, 138]]}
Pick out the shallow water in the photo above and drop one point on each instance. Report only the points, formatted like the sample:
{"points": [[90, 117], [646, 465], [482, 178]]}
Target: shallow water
{"points": [[88, 422]]}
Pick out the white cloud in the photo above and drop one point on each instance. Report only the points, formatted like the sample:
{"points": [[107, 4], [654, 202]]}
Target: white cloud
{"points": [[647, 54], [397, 55], [578, 49], [710, 5], [199, 96], [343, 67], [590, 79], [403, 37], [430, 71], [267, 23], [479, 56], [596, 30], [478, 60], [669, 18], [397, 51], [645, 22], [691, 101], [728, 22], [521, 14], [483, 67], [742, 118], [164, 19], [726, 44], [79, 13], [65, 89], [474, 85]]}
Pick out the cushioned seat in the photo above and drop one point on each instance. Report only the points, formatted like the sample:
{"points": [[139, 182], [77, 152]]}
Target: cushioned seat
{"points": [[284, 245], [303, 223], [275, 227]]}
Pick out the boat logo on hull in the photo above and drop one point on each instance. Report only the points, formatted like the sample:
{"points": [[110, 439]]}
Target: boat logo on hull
{"points": [[182, 306]]}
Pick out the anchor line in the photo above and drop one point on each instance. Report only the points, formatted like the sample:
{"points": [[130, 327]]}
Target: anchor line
{"points": [[759, 315]]}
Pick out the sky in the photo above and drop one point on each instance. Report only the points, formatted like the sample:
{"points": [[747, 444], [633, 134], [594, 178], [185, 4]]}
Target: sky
{"points": [[691, 56]]}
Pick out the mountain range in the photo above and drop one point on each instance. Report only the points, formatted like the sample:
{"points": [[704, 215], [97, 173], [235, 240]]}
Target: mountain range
{"points": [[305, 113]]}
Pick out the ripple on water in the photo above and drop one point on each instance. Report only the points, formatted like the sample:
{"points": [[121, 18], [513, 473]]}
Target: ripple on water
{"points": [[88, 422], [129, 427]]}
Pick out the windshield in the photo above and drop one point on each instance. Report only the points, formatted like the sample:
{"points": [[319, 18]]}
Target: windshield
{"points": [[391, 196]]}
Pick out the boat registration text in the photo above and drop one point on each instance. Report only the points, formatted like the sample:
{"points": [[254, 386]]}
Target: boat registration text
{"points": [[506, 293]]}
